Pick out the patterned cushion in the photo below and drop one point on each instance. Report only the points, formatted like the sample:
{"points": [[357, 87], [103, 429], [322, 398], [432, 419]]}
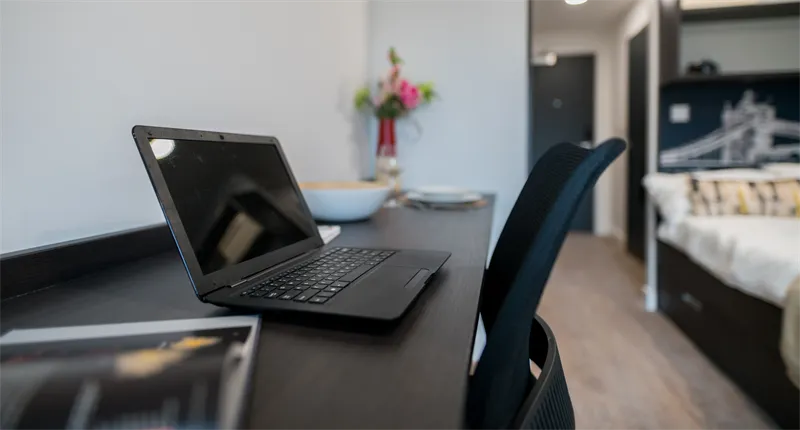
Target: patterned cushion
{"points": [[778, 197]]}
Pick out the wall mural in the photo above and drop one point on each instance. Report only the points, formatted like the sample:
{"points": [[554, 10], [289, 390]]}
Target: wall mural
{"points": [[730, 124]]}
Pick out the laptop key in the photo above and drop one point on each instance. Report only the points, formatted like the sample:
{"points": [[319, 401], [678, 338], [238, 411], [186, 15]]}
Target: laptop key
{"points": [[324, 282], [304, 296], [318, 300], [289, 295], [340, 284], [333, 289], [319, 287], [273, 294], [325, 294]]}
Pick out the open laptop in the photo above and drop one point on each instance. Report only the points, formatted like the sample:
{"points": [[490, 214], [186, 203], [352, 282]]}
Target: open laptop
{"points": [[247, 238]]}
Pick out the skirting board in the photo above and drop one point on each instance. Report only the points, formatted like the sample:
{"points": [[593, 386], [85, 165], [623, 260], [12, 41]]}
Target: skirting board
{"points": [[32, 269]]}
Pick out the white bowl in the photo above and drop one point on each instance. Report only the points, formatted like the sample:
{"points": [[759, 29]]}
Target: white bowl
{"points": [[344, 201]]}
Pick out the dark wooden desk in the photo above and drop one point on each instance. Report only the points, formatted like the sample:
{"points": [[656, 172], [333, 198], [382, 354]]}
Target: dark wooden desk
{"points": [[414, 376]]}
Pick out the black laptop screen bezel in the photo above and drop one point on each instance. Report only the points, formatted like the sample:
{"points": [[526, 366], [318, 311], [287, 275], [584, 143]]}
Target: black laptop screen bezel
{"points": [[206, 283]]}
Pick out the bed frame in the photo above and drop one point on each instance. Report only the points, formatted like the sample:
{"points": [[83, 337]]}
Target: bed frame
{"points": [[738, 332]]}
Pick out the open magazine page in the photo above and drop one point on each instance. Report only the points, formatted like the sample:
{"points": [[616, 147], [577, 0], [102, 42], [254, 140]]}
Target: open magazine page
{"points": [[168, 374]]}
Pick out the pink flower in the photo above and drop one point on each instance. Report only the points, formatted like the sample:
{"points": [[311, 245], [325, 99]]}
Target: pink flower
{"points": [[394, 72], [385, 90], [409, 94], [403, 85]]}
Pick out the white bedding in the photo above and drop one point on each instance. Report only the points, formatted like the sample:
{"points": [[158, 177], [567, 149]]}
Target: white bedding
{"points": [[758, 255]]}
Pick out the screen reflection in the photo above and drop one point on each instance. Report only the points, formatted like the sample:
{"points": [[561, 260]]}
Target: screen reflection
{"points": [[236, 201]]}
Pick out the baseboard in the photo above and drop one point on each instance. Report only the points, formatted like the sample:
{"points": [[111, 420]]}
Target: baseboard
{"points": [[619, 234], [650, 298], [29, 270]]}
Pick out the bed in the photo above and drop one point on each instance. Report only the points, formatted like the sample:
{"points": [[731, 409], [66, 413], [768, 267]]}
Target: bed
{"points": [[758, 255], [726, 274], [732, 284]]}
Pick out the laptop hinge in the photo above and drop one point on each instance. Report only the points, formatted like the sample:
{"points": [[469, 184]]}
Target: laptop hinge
{"points": [[203, 297], [238, 283]]}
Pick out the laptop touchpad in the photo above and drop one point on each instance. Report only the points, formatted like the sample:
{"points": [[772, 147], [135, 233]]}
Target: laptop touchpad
{"points": [[390, 276]]}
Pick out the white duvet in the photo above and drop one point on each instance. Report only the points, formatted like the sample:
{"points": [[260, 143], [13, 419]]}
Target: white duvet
{"points": [[758, 255]]}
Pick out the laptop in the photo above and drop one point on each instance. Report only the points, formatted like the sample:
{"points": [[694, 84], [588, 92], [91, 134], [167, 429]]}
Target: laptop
{"points": [[247, 238]]}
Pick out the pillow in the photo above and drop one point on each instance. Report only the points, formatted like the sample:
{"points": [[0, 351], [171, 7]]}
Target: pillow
{"points": [[723, 192], [772, 197], [669, 192]]}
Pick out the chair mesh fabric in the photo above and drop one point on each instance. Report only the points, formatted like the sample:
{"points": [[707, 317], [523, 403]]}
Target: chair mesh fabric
{"points": [[533, 204], [555, 408], [548, 405], [517, 274]]}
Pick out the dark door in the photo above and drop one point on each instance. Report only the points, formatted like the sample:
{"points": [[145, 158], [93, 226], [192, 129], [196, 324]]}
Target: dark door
{"points": [[563, 111], [637, 141]]}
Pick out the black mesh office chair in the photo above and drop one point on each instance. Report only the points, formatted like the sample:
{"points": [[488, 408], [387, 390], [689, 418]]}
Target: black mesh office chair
{"points": [[503, 393]]}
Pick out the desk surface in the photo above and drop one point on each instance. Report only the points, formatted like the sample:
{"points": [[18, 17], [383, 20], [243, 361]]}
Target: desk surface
{"points": [[413, 376]]}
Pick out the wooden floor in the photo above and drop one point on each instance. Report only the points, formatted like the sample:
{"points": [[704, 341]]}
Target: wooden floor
{"points": [[627, 368]]}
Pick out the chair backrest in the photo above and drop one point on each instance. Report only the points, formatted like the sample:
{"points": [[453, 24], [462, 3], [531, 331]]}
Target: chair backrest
{"points": [[518, 272], [536, 200]]}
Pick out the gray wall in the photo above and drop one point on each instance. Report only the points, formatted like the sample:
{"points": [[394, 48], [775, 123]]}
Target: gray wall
{"points": [[475, 135], [76, 76], [743, 46]]}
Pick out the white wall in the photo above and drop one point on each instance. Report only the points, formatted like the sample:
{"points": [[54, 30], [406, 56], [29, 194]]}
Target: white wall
{"points": [[475, 135], [601, 44], [77, 75], [743, 46]]}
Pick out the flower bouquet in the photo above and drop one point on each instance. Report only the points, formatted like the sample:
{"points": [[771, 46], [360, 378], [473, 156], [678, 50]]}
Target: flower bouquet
{"points": [[395, 97]]}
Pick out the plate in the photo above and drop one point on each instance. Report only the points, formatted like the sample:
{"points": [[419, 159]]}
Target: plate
{"points": [[448, 197]]}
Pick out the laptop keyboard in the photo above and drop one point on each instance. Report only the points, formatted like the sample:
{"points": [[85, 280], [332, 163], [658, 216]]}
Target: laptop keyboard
{"points": [[319, 279]]}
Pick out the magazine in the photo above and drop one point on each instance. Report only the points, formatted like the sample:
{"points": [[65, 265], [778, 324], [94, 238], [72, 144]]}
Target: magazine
{"points": [[152, 375]]}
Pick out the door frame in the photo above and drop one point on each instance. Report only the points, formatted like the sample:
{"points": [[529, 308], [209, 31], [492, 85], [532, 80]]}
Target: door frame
{"points": [[601, 206], [628, 40]]}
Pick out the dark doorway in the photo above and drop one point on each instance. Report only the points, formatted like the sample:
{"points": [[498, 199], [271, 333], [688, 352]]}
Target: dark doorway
{"points": [[563, 111], [637, 141]]}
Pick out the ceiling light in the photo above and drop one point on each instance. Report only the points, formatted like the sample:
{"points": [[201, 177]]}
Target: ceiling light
{"points": [[545, 58], [574, 2]]}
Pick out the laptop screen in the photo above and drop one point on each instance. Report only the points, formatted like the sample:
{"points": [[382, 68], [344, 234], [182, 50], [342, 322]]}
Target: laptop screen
{"points": [[236, 201]]}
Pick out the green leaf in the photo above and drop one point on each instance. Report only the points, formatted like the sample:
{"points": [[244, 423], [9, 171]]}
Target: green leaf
{"points": [[362, 98], [394, 58], [427, 91]]}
